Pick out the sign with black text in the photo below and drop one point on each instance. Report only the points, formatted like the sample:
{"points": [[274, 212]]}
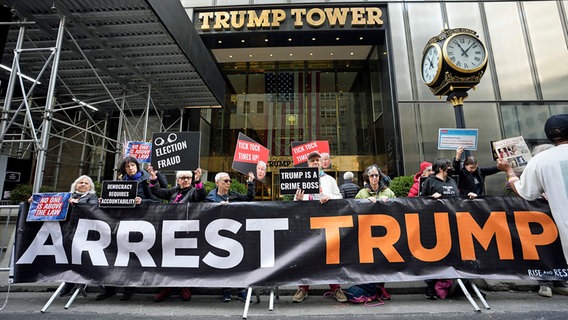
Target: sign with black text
{"points": [[118, 194], [175, 150], [292, 179]]}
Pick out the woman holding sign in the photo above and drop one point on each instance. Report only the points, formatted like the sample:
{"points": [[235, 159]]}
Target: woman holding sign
{"points": [[82, 191], [181, 193]]}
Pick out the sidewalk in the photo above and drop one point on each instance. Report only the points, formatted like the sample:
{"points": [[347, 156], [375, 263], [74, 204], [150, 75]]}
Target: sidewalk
{"points": [[503, 304]]}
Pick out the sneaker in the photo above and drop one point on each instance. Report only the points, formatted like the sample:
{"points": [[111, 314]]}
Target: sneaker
{"points": [[545, 291], [560, 290], [226, 296], [339, 295], [162, 295], [430, 293], [242, 295], [185, 294], [300, 296]]}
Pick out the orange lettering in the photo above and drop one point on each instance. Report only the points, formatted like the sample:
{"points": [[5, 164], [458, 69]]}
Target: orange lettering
{"points": [[529, 241], [385, 243], [495, 225], [331, 225], [443, 237]]}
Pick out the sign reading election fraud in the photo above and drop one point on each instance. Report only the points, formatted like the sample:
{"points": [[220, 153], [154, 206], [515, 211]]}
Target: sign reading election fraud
{"points": [[139, 150], [301, 150], [250, 156], [118, 194], [176, 150], [49, 206], [277, 243], [292, 179]]}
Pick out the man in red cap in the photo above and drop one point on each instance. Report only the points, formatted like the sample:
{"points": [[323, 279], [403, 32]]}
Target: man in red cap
{"points": [[547, 172]]}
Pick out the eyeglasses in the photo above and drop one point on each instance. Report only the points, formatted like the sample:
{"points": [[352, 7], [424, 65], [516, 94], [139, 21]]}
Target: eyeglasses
{"points": [[227, 180], [374, 175], [184, 178]]}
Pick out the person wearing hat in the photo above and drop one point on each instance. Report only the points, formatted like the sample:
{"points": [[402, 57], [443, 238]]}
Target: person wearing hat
{"points": [[425, 171], [547, 172], [328, 190]]}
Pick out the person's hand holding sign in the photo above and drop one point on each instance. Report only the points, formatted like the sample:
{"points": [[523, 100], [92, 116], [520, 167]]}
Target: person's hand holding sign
{"points": [[299, 195]]}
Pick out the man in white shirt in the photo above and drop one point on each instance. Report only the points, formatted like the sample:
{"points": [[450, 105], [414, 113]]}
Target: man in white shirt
{"points": [[328, 190], [547, 172]]}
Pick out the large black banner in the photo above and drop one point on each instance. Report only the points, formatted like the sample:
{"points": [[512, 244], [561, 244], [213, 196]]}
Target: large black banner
{"points": [[293, 242]]}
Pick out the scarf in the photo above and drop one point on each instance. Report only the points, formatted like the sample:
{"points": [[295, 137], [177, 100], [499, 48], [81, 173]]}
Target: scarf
{"points": [[135, 177]]}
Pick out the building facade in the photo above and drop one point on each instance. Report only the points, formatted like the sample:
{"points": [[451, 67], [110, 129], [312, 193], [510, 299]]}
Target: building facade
{"points": [[349, 72]]}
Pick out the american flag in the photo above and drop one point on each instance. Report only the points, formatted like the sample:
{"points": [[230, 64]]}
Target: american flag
{"points": [[281, 84]]}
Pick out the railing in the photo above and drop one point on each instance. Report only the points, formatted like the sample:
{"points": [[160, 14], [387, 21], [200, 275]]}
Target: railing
{"points": [[8, 218]]}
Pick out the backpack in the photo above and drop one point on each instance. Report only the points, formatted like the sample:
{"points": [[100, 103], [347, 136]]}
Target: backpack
{"points": [[367, 293]]}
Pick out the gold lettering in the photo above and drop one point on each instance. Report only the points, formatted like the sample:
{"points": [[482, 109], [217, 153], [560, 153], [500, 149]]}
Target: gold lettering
{"points": [[358, 16], [298, 14], [374, 16], [221, 20], [336, 14], [314, 14], [256, 21], [238, 19], [204, 17], [278, 15]]}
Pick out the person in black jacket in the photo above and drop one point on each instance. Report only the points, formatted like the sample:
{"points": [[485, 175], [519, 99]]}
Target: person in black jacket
{"points": [[181, 193], [348, 189], [471, 177]]}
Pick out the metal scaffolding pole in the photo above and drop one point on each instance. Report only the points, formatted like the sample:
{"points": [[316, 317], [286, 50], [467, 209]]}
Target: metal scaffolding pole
{"points": [[102, 156], [118, 154], [10, 87], [48, 113]]}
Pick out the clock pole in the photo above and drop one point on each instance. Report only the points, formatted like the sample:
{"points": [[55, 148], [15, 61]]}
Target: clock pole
{"points": [[456, 68]]}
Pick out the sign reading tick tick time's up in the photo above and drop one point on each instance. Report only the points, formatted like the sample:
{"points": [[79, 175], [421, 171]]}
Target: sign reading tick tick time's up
{"points": [[175, 150]]}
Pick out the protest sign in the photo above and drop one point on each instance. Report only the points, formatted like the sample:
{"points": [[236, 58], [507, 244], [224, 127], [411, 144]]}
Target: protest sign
{"points": [[118, 194], [292, 179], [139, 150], [452, 139], [301, 150], [49, 206], [175, 150], [250, 156], [514, 150]]}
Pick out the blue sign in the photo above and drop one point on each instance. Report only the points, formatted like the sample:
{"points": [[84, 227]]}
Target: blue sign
{"points": [[49, 206]]}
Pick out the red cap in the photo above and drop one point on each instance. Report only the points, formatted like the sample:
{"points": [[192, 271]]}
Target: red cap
{"points": [[424, 165]]}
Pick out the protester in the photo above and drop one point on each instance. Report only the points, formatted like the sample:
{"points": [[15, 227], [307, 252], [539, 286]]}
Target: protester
{"points": [[325, 160], [425, 171], [547, 172], [82, 191], [440, 185], [375, 188], [328, 190], [471, 177], [348, 189], [181, 193], [223, 194], [130, 170]]}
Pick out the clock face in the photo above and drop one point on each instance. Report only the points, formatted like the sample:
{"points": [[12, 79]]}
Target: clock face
{"points": [[465, 53], [431, 63]]}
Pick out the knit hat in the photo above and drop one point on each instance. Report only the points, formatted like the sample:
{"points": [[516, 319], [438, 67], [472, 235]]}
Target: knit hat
{"points": [[424, 165], [556, 127]]}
